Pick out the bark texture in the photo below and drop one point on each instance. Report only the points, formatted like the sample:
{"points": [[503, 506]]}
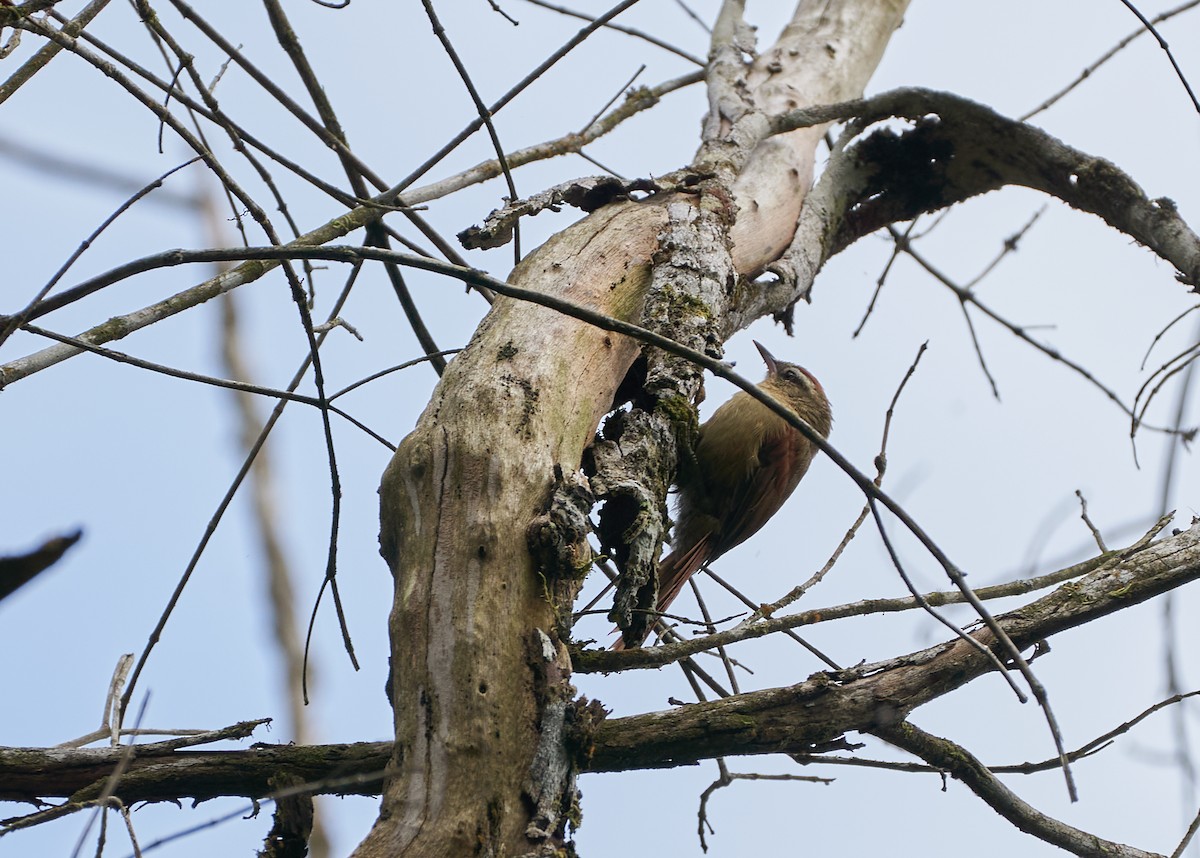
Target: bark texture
{"points": [[479, 676], [810, 715], [793, 719], [475, 654]]}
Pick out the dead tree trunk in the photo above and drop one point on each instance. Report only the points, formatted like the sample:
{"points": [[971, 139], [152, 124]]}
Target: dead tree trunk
{"points": [[479, 671]]}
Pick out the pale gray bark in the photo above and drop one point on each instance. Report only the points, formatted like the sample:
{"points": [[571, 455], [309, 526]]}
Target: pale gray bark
{"points": [[477, 663]]}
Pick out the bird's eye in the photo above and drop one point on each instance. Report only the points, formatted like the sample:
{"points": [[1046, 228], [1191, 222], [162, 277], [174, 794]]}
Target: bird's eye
{"points": [[793, 374]]}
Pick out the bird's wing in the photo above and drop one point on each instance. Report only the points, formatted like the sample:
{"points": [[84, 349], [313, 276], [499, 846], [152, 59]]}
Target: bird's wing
{"points": [[780, 466], [758, 498]]}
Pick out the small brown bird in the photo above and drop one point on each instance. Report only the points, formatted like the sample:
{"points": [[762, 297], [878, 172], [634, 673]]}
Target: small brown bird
{"points": [[748, 461]]}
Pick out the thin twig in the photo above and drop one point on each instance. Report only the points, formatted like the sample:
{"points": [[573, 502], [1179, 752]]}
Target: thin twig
{"points": [[110, 785], [357, 173], [1187, 838], [1167, 327], [964, 766], [298, 298], [1162, 43], [47, 52], [726, 778], [883, 275], [494, 108], [484, 114], [749, 603], [711, 627], [11, 323], [236, 483], [903, 242], [591, 661], [213, 381], [880, 468], [277, 570], [1170, 641], [691, 670], [928, 608], [1009, 246], [412, 313], [1035, 685], [1021, 333], [1083, 513], [629, 31], [687, 10], [1108, 55], [1157, 380], [391, 369], [625, 88]]}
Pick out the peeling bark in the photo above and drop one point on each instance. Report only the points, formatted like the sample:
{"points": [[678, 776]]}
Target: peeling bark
{"points": [[479, 670], [475, 650]]}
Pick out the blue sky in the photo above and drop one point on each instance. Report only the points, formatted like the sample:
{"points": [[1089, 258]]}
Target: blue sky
{"points": [[140, 461]]}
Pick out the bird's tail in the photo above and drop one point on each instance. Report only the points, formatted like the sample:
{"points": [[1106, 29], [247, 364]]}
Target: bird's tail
{"points": [[674, 570]]}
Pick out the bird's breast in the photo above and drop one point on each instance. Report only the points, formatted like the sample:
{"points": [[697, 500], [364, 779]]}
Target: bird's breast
{"points": [[736, 438]]}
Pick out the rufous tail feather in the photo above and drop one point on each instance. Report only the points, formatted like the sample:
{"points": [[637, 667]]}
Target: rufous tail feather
{"points": [[674, 570]]}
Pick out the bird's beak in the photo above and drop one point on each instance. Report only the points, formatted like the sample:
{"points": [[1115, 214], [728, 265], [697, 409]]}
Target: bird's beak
{"points": [[768, 358]]}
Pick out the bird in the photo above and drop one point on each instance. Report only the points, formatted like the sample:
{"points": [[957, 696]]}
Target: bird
{"points": [[748, 461]]}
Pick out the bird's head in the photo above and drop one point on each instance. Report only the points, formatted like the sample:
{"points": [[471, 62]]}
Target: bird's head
{"points": [[799, 388]]}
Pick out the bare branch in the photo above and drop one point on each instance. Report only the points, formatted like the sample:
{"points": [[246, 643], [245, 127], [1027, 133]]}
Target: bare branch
{"points": [[960, 763], [795, 718], [1162, 43], [1105, 57], [1083, 513], [629, 31], [957, 149], [47, 52]]}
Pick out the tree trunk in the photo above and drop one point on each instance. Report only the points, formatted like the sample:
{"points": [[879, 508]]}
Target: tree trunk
{"points": [[480, 675]]}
